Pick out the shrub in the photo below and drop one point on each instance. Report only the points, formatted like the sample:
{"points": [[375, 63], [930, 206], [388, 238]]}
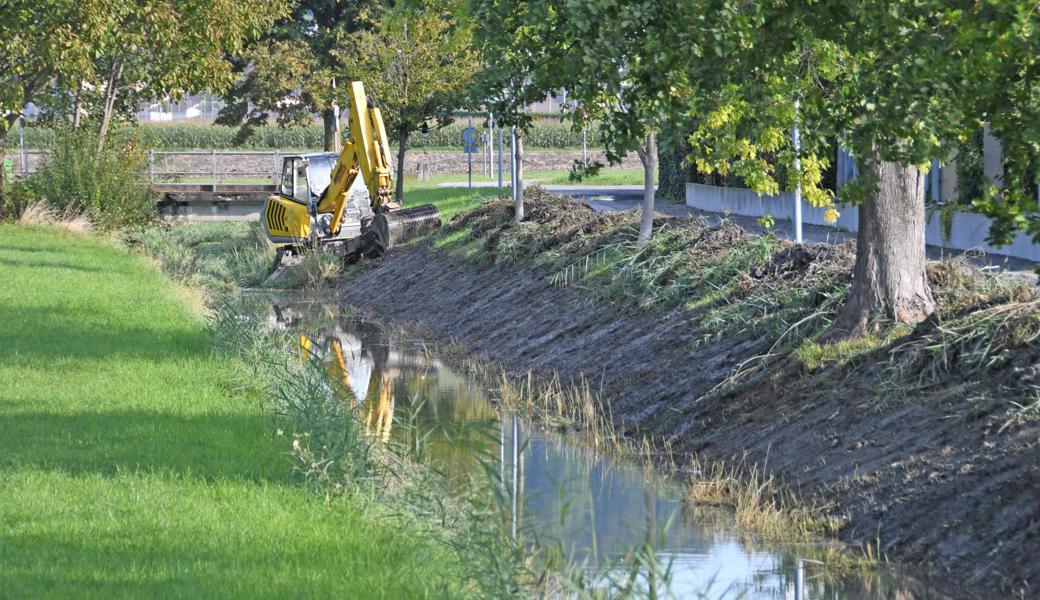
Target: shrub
{"points": [[107, 187]]}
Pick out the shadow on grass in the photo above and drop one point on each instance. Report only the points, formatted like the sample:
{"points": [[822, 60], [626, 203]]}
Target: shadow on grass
{"points": [[31, 336], [59, 264], [205, 446]]}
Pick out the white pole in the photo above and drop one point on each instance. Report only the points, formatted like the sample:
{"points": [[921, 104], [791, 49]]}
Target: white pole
{"points": [[516, 463], [512, 162], [797, 142], [799, 580], [585, 147], [501, 137]]}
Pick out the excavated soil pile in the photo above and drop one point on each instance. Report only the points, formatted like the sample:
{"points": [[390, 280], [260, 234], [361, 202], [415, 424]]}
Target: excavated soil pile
{"points": [[928, 444]]}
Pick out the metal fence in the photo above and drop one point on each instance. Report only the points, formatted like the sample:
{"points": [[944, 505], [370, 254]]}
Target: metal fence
{"points": [[213, 168], [209, 168]]}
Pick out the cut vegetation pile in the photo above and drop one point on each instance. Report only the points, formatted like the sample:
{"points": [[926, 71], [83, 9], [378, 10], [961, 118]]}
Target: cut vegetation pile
{"points": [[923, 442]]}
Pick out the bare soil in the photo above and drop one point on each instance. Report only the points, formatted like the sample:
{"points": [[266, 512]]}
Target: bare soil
{"points": [[935, 466]]}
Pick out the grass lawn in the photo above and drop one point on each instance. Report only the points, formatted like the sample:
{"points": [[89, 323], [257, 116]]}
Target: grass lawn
{"points": [[450, 201], [128, 466], [607, 176]]}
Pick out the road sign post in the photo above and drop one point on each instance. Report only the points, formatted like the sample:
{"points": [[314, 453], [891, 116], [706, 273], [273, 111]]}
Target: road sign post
{"points": [[469, 146]]}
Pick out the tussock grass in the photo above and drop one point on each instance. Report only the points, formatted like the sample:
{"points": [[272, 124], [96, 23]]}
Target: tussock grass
{"points": [[42, 214], [761, 505], [563, 407], [313, 270]]}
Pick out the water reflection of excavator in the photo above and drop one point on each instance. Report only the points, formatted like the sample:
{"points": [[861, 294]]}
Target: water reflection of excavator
{"points": [[364, 378], [365, 372], [319, 206]]}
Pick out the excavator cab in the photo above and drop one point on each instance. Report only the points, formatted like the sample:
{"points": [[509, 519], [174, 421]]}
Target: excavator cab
{"points": [[343, 201]]}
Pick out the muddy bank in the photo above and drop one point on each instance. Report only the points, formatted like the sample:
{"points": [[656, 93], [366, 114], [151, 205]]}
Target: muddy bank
{"points": [[919, 447]]}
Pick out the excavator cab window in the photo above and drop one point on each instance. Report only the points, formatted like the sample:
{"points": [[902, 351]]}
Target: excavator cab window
{"points": [[301, 190], [294, 180], [287, 178]]}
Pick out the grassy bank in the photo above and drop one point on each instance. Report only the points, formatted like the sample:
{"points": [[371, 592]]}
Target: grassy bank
{"points": [[130, 466]]}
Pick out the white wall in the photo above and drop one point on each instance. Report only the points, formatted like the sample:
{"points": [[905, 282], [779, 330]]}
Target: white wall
{"points": [[967, 233]]}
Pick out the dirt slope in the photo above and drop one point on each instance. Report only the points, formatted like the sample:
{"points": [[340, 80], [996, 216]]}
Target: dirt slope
{"points": [[937, 469]]}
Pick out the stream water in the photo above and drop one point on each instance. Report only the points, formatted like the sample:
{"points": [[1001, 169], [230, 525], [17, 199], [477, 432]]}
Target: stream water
{"points": [[596, 508]]}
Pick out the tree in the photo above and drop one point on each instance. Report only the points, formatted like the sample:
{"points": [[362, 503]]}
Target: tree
{"points": [[900, 83], [513, 47], [31, 60], [291, 71], [415, 64], [611, 56], [167, 48]]}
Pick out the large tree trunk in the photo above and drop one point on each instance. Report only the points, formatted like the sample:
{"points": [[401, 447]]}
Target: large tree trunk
{"points": [[328, 118], [111, 91], [402, 144], [890, 277], [648, 156]]}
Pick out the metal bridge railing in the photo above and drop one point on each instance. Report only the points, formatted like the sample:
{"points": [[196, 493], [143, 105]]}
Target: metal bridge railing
{"points": [[205, 167]]}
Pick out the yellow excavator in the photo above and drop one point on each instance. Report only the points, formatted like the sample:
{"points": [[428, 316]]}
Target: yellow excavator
{"points": [[343, 202]]}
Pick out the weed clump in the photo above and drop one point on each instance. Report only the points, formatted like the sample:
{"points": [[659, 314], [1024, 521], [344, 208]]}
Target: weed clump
{"points": [[40, 213]]}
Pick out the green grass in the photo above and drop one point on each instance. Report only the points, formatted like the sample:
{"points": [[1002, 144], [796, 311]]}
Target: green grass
{"points": [[130, 468], [815, 355], [608, 176], [450, 201]]}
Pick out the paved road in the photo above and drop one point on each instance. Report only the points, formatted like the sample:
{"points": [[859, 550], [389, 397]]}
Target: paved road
{"points": [[628, 197]]}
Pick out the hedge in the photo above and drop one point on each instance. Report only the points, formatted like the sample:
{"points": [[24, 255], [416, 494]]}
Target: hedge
{"points": [[271, 137]]}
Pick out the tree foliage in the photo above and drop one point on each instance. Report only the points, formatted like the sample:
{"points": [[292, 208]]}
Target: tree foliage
{"points": [[289, 72], [123, 50], [415, 65], [32, 59], [900, 81]]}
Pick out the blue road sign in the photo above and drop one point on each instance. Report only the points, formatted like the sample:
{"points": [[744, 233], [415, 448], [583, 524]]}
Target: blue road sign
{"points": [[469, 140]]}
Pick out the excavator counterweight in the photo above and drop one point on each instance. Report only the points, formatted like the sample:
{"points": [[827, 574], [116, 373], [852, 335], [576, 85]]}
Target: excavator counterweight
{"points": [[344, 202]]}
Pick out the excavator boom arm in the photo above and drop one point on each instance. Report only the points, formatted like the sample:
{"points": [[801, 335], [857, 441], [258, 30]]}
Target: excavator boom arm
{"points": [[366, 153]]}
